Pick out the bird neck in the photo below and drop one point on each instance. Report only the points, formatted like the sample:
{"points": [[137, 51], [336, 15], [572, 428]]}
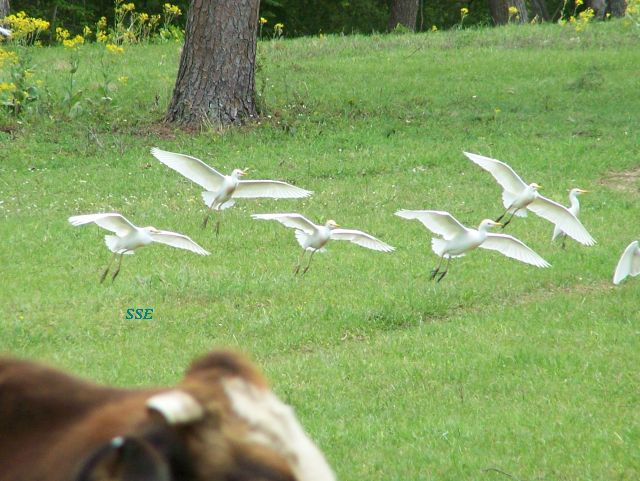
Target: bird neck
{"points": [[575, 203]]}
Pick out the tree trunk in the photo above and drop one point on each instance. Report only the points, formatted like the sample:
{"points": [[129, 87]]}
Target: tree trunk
{"points": [[216, 78], [405, 13], [617, 8], [500, 11], [599, 7], [4, 8], [540, 10]]}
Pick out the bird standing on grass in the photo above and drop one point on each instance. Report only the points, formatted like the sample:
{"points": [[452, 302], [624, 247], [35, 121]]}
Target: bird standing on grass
{"points": [[629, 263], [223, 189], [458, 240], [518, 196], [313, 237], [574, 208], [129, 237]]}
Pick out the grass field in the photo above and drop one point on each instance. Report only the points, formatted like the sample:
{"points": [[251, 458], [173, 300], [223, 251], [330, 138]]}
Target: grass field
{"points": [[500, 368]]}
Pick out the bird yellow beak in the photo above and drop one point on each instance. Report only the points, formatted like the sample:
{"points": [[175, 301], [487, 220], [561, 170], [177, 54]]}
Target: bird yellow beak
{"points": [[244, 171], [585, 191], [498, 223]]}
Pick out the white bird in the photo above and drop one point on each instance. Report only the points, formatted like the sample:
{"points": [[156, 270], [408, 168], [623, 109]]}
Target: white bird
{"points": [[313, 237], [5, 32], [517, 196], [129, 237], [457, 239], [629, 263], [574, 208], [222, 189]]}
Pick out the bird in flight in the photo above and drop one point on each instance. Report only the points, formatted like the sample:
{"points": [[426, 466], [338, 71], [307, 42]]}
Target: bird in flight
{"points": [[518, 196], [629, 263], [222, 190], [457, 239], [313, 237], [129, 237]]}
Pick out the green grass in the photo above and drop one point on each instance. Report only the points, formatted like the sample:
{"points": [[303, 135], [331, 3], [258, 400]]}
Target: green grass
{"points": [[501, 366]]}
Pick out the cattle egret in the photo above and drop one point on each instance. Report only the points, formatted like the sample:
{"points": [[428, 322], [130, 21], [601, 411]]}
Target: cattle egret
{"points": [[458, 240], [5, 32], [312, 237], [223, 189], [574, 208], [629, 263], [517, 196], [129, 237]]}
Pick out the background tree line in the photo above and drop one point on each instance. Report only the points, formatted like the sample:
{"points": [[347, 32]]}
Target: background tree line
{"points": [[311, 17]]}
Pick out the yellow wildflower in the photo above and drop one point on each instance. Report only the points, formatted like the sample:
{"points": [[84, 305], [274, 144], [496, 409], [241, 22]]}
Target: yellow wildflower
{"points": [[143, 17], [464, 11], [513, 10], [579, 3], [62, 34], [86, 31], [263, 20], [5, 86], [73, 42], [434, 28], [7, 57], [114, 48], [101, 37], [278, 28], [123, 79], [128, 7], [102, 23], [171, 9]]}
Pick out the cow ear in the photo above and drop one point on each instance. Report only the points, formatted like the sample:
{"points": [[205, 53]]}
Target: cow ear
{"points": [[125, 459]]}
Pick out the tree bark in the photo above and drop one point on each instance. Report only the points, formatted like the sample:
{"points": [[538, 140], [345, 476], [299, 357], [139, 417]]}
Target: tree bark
{"points": [[540, 10], [216, 77], [405, 13], [4, 8], [617, 8], [599, 7], [500, 11]]}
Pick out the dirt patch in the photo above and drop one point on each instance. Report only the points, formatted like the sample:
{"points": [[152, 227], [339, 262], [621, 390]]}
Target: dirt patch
{"points": [[626, 181]]}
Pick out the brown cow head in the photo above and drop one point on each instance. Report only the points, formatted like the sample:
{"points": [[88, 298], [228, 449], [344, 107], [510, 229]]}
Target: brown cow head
{"points": [[221, 423]]}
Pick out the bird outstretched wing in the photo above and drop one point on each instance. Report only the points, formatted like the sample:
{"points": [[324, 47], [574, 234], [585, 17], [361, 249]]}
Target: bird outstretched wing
{"points": [[629, 263], [180, 241], [295, 221], [437, 221], [274, 189], [504, 175], [561, 217], [192, 168], [362, 239], [511, 247], [113, 222]]}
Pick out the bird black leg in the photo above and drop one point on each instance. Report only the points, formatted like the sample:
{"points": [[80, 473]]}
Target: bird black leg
{"points": [[434, 271], [104, 274], [217, 228], [308, 263], [509, 220], [115, 274], [502, 216], [444, 273], [296, 269], [564, 241], [206, 217]]}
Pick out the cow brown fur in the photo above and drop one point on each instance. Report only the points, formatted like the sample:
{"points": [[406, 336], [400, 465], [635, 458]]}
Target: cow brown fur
{"points": [[55, 427]]}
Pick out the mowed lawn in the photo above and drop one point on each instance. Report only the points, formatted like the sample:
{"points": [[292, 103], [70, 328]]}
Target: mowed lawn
{"points": [[502, 369]]}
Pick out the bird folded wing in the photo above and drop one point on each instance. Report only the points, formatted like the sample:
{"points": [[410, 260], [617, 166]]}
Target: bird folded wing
{"points": [[192, 168], [295, 221], [560, 216], [362, 239], [112, 221], [438, 222], [511, 247], [629, 263], [504, 175], [269, 188], [180, 241]]}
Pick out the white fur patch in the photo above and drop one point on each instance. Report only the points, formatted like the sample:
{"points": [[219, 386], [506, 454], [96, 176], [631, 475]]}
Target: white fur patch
{"points": [[177, 407], [273, 424]]}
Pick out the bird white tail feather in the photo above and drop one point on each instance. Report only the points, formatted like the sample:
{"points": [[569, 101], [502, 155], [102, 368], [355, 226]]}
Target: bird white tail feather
{"points": [[301, 237], [507, 200], [112, 244], [438, 245], [209, 198]]}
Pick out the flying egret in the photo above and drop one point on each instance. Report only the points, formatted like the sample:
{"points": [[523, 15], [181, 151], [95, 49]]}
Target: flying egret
{"points": [[574, 208], [517, 196], [129, 237], [313, 237], [458, 240], [223, 189], [629, 263]]}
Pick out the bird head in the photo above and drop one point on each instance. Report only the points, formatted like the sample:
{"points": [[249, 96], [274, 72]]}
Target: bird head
{"points": [[332, 224], [535, 186], [485, 224], [239, 172], [577, 191]]}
